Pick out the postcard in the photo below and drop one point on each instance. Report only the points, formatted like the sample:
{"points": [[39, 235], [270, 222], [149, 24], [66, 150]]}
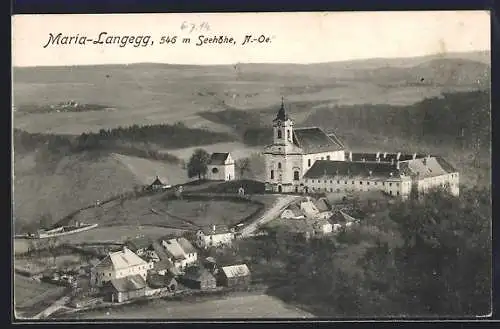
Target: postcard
{"points": [[244, 166]]}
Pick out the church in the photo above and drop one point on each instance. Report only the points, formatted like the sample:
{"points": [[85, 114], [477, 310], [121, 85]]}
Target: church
{"points": [[308, 160], [294, 151]]}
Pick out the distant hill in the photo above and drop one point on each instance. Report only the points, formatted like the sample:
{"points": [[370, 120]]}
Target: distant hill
{"points": [[61, 185]]}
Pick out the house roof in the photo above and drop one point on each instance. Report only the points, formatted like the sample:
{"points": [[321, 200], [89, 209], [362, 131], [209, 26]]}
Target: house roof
{"points": [[218, 158], [157, 182], [322, 204], [129, 283], [234, 271], [382, 156], [315, 140], [121, 260], [173, 248], [345, 169], [344, 217], [426, 167], [186, 246]]}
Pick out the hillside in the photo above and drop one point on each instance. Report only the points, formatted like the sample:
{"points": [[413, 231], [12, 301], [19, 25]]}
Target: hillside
{"points": [[64, 184], [147, 94]]}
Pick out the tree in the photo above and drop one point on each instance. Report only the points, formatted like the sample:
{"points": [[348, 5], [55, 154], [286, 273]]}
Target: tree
{"points": [[197, 165], [243, 166]]}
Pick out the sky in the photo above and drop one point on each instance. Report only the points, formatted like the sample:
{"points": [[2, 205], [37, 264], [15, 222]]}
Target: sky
{"points": [[293, 37]]}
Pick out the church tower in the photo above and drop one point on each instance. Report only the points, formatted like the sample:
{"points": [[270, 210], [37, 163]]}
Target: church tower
{"points": [[281, 171]]}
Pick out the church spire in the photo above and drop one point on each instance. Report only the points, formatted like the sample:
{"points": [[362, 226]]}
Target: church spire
{"points": [[282, 112]]}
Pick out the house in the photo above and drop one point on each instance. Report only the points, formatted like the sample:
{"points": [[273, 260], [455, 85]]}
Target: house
{"points": [[322, 226], [211, 265], [156, 281], [198, 278], [309, 208], [214, 236], [164, 265], [292, 212], [157, 185], [221, 167], [180, 252], [139, 245], [122, 289], [118, 265], [234, 275]]}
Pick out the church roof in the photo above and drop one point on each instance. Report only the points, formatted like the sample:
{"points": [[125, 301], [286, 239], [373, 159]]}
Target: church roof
{"points": [[282, 115], [315, 140], [218, 158], [322, 168]]}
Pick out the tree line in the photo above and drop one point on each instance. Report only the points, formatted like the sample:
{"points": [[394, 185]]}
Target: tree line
{"points": [[430, 257]]}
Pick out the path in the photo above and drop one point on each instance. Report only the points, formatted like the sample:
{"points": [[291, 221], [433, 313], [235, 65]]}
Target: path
{"points": [[275, 211], [60, 303]]}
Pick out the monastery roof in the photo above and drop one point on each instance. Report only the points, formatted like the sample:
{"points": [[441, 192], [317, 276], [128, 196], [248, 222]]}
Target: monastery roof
{"points": [[427, 167], [315, 140], [327, 168], [186, 246], [382, 156], [122, 259], [218, 158], [235, 271]]}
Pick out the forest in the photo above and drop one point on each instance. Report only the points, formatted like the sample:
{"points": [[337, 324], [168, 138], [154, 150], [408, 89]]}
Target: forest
{"points": [[430, 257], [142, 141], [459, 119]]}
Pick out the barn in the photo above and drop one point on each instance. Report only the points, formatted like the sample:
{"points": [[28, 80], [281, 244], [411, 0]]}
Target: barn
{"points": [[122, 289], [234, 275]]}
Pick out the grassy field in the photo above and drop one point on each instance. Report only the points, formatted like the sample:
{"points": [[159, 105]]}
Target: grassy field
{"points": [[249, 306], [31, 297], [140, 94], [63, 185], [172, 214]]}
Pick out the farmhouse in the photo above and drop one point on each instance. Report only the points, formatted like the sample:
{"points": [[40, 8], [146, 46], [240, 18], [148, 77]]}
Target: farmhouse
{"points": [[164, 264], [157, 185], [220, 167], [198, 278], [156, 281], [292, 212], [139, 245], [118, 265], [126, 288], [180, 252], [214, 236], [234, 275], [307, 160]]}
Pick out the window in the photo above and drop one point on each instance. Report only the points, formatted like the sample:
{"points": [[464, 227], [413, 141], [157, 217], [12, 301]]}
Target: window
{"points": [[288, 134], [338, 182], [331, 181], [331, 189], [309, 162], [322, 158], [346, 182], [397, 184], [279, 133], [352, 182], [367, 183], [215, 170], [272, 174], [360, 183], [397, 193], [328, 157], [390, 184], [383, 183], [375, 183], [390, 192], [325, 181], [296, 175], [279, 165]]}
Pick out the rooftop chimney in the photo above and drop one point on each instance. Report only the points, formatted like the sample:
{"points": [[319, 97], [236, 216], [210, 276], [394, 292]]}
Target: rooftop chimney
{"points": [[398, 155], [213, 227], [414, 156], [378, 155], [350, 156], [385, 154], [397, 165]]}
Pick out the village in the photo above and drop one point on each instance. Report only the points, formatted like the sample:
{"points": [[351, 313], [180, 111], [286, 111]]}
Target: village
{"points": [[312, 185]]}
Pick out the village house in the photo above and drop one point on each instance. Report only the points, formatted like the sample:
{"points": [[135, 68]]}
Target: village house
{"points": [[157, 185], [155, 281], [214, 236], [198, 278], [322, 226], [221, 167], [118, 265], [180, 252], [292, 212], [121, 289], [307, 160], [164, 265], [139, 245], [234, 275]]}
